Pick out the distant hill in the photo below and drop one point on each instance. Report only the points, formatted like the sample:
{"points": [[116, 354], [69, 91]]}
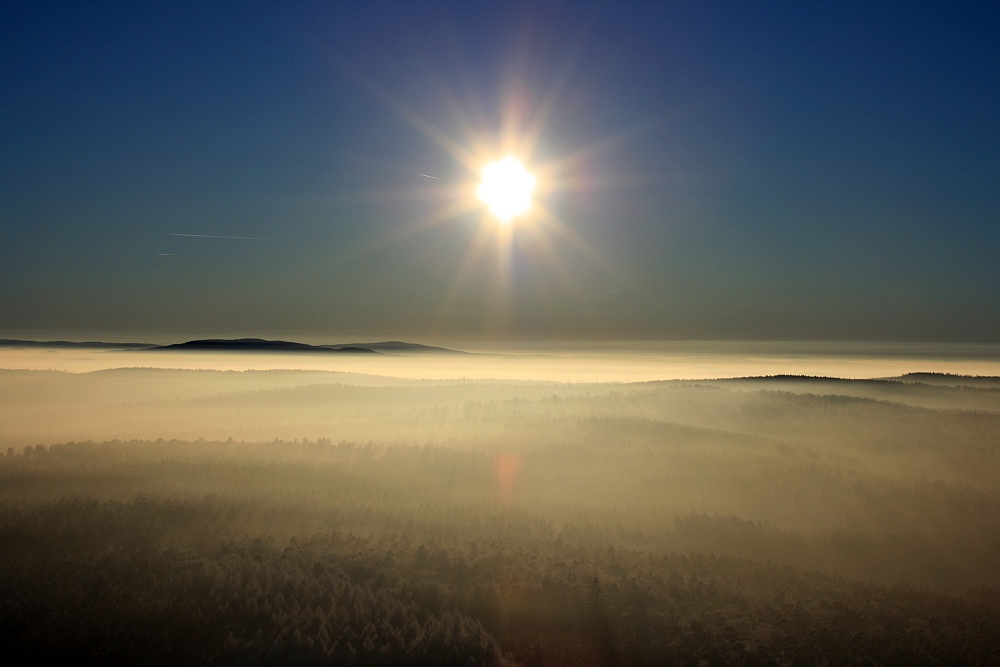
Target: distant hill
{"points": [[259, 345], [397, 346], [949, 379], [8, 342], [936, 379], [243, 345]]}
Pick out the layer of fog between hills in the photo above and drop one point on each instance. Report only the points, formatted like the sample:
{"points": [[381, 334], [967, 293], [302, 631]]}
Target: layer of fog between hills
{"points": [[885, 480]]}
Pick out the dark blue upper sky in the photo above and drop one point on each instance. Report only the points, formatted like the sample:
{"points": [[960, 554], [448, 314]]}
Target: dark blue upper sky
{"points": [[765, 170]]}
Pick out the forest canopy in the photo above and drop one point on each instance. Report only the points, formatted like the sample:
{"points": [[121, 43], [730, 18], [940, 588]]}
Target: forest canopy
{"points": [[758, 521]]}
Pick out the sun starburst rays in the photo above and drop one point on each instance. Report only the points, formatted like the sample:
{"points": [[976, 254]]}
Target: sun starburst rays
{"points": [[503, 178]]}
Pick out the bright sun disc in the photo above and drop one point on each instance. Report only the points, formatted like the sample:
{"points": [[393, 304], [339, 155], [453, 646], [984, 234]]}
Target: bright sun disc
{"points": [[506, 188]]}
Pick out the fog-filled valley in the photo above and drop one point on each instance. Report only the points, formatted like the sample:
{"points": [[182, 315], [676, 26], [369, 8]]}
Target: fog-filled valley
{"points": [[253, 517]]}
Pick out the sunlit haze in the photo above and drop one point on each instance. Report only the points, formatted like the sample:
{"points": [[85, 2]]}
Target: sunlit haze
{"points": [[499, 334]]}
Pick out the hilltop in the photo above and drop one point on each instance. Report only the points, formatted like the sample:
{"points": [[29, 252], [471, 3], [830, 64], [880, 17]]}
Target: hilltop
{"points": [[240, 345]]}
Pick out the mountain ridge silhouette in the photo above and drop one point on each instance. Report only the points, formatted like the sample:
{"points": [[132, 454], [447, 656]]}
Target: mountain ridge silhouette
{"points": [[240, 345]]}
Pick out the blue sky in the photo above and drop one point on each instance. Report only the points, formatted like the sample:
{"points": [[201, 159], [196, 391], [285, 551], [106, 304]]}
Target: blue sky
{"points": [[758, 170]]}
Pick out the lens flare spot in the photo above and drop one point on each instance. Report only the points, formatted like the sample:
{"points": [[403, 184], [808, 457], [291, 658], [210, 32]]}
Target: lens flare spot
{"points": [[506, 188], [506, 467]]}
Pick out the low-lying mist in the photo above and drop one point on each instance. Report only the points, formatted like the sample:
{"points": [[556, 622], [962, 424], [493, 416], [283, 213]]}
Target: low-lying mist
{"points": [[547, 522]]}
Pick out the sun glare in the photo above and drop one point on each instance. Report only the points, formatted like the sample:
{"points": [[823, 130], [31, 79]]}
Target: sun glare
{"points": [[506, 188]]}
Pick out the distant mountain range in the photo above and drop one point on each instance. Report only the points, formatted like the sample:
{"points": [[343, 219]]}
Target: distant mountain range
{"points": [[9, 342], [243, 345], [397, 346], [257, 345]]}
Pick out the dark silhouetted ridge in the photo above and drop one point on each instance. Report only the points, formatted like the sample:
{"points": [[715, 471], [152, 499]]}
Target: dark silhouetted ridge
{"points": [[241, 345], [258, 345], [9, 342], [946, 376], [950, 379], [397, 346]]}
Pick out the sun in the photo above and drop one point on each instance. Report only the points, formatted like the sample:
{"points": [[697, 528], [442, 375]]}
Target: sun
{"points": [[507, 188], [496, 186]]}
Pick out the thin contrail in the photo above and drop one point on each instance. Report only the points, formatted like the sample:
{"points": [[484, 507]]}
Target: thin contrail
{"points": [[18, 106], [428, 176], [212, 236]]}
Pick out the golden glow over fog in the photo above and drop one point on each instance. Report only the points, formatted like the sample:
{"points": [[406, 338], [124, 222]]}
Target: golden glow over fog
{"points": [[507, 188], [555, 363]]}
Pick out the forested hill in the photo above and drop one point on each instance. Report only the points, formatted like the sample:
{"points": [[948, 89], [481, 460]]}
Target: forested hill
{"points": [[276, 572], [293, 517]]}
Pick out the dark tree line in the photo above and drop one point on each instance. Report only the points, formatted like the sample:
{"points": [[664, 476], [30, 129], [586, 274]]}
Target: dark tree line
{"points": [[107, 582]]}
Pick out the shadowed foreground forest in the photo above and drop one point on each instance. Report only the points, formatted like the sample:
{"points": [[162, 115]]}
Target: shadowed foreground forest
{"points": [[283, 517]]}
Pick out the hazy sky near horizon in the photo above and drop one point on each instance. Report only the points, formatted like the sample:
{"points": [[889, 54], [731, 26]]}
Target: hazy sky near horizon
{"points": [[738, 170]]}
